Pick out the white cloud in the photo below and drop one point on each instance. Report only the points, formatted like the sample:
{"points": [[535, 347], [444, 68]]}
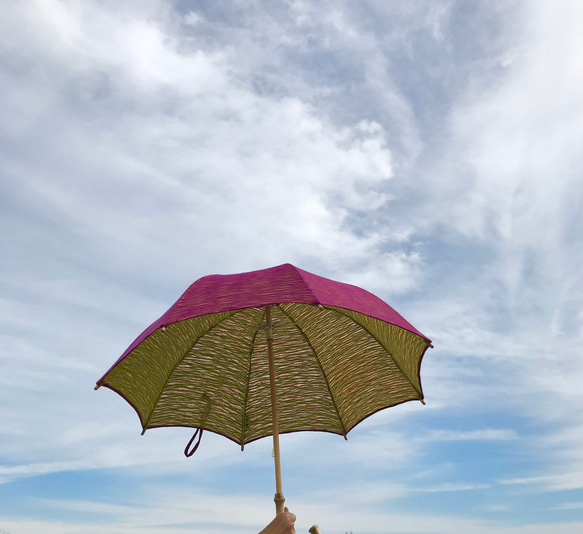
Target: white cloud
{"points": [[187, 508], [520, 138], [508, 184], [569, 506], [233, 171], [141, 148], [486, 434], [192, 18], [454, 487], [561, 482]]}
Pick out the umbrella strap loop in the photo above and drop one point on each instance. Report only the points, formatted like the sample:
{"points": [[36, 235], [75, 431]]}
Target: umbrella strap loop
{"points": [[198, 432], [189, 453]]}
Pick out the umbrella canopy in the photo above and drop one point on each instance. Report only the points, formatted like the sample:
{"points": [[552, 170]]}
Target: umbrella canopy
{"points": [[339, 355]]}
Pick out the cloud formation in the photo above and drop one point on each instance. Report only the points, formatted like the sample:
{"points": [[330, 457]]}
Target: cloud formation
{"points": [[429, 151]]}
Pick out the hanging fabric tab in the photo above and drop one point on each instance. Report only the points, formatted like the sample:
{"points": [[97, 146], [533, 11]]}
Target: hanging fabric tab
{"points": [[188, 453]]}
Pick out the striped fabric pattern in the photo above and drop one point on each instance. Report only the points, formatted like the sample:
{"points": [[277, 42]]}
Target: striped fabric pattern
{"points": [[334, 365]]}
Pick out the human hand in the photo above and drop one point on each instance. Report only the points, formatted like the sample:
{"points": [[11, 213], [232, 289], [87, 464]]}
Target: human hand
{"points": [[282, 524]]}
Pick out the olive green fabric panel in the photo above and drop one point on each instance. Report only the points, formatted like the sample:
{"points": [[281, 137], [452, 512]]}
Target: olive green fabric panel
{"points": [[222, 382], [303, 398], [208, 386], [256, 414], [333, 368], [362, 377], [143, 373], [404, 347]]}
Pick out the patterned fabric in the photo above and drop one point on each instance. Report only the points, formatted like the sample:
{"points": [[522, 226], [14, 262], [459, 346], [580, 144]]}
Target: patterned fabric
{"points": [[340, 355]]}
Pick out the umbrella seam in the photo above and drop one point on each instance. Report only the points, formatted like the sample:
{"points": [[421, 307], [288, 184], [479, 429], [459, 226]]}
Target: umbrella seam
{"points": [[374, 316], [180, 361], [248, 380], [375, 338], [308, 285], [344, 431]]}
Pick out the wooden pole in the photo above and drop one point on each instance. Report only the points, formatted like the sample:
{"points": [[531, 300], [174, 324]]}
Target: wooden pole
{"points": [[279, 498]]}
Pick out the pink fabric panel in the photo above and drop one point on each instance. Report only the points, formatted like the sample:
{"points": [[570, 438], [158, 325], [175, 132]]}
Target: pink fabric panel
{"points": [[284, 283]]}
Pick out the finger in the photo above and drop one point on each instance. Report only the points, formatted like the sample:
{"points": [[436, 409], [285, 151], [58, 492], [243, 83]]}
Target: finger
{"points": [[286, 509]]}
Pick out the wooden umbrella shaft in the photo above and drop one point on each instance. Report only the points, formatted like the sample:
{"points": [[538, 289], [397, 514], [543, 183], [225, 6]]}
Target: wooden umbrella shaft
{"points": [[279, 498]]}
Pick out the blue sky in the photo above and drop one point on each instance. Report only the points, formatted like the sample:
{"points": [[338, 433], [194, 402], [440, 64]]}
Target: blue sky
{"points": [[429, 151]]}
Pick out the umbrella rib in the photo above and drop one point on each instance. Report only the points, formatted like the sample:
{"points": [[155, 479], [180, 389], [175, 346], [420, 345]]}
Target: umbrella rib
{"points": [[341, 311], [206, 332], [344, 431], [243, 419]]}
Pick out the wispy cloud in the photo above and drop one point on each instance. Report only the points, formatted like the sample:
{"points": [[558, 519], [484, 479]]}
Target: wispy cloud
{"points": [[486, 434], [558, 482], [219, 144], [429, 151], [569, 506], [454, 487]]}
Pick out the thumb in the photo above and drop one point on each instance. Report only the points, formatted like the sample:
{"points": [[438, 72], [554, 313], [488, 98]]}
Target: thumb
{"points": [[286, 510]]}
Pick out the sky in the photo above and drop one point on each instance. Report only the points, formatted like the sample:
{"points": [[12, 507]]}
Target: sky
{"points": [[428, 151]]}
